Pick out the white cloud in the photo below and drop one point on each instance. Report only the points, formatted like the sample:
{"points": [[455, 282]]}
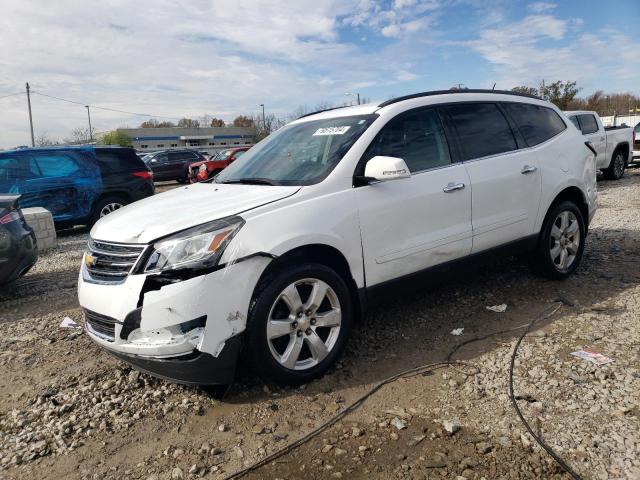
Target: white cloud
{"points": [[175, 58], [540, 7], [540, 47]]}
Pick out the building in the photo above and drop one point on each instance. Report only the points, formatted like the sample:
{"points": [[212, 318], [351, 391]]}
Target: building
{"points": [[209, 139], [630, 120]]}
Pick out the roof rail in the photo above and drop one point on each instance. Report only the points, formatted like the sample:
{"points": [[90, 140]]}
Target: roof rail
{"points": [[446, 92], [323, 110]]}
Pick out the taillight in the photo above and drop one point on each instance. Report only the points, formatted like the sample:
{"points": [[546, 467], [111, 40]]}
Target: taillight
{"points": [[146, 175], [9, 217]]}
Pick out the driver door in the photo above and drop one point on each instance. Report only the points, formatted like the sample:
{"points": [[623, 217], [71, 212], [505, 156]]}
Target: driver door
{"points": [[411, 224]]}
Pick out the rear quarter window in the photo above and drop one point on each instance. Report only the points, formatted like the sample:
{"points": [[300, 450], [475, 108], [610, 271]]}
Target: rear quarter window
{"points": [[537, 124], [118, 160]]}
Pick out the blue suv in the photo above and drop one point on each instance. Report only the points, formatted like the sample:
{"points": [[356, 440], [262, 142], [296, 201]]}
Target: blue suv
{"points": [[78, 185]]}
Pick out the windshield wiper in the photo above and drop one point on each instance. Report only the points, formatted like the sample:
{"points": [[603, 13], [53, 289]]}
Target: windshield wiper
{"points": [[251, 181]]}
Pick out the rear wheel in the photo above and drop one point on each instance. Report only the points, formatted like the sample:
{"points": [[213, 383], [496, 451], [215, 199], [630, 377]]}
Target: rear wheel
{"points": [[561, 242], [616, 168], [298, 323], [107, 205]]}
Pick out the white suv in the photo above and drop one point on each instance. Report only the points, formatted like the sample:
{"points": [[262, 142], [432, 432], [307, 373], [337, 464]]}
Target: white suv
{"points": [[273, 260]]}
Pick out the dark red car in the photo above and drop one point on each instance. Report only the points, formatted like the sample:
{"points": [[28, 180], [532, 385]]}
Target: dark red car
{"points": [[201, 171]]}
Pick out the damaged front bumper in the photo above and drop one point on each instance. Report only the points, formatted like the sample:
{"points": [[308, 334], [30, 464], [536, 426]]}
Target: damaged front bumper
{"points": [[186, 330]]}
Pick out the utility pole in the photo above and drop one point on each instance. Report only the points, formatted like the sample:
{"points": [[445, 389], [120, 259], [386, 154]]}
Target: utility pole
{"points": [[264, 123], [89, 117], [33, 142], [358, 94]]}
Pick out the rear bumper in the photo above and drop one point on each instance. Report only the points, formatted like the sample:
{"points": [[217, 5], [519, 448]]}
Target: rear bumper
{"points": [[197, 368]]}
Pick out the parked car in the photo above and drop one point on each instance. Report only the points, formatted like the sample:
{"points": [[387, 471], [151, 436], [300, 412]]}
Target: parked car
{"points": [[172, 164], [18, 247], [636, 144], [289, 244], [612, 144], [206, 169], [78, 185]]}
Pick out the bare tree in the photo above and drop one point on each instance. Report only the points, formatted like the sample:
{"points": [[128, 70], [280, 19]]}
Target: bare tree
{"points": [[217, 122], [78, 136], [188, 123], [153, 123], [43, 140]]}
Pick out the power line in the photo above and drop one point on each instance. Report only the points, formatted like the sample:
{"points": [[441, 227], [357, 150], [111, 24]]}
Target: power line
{"points": [[12, 94], [103, 108]]}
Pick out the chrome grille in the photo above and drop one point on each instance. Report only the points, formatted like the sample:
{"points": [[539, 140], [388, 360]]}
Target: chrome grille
{"points": [[100, 325], [111, 262]]}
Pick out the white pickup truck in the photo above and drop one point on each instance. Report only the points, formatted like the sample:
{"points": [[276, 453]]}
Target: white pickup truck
{"points": [[612, 144]]}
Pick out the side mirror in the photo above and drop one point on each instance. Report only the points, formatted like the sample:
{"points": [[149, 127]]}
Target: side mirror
{"points": [[386, 168]]}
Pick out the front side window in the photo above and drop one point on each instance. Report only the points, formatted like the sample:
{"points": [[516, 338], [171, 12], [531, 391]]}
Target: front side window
{"points": [[588, 123], [417, 137], [300, 153], [536, 124], [482, 129], [56, 165], [10, 168]]}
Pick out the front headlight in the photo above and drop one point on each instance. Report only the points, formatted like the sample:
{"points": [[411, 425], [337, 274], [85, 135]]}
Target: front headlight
{"points": [[199, 247]]}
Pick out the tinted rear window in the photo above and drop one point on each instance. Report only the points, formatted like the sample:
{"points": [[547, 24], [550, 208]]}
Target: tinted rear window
{"points": [[536, 124], [482, 129], [116, 160], [588, 124]]}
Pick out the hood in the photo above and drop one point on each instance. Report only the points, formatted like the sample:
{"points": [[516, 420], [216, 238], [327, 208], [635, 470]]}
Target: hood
{"points": [[184, 207], [197, 164]]}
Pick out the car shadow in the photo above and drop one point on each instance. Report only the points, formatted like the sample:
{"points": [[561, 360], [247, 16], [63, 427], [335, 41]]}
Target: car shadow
{"points": [[414, 328]]}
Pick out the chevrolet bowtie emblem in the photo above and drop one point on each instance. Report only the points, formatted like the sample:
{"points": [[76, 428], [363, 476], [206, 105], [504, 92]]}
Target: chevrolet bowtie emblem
{"points": [[89, 260]]}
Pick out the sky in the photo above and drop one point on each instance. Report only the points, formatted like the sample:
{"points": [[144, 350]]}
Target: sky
{"points": [[175, 58]]}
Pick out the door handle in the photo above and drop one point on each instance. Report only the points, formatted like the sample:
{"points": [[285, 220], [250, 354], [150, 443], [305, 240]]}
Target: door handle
{"points": [[452, 187], [528, 169]]}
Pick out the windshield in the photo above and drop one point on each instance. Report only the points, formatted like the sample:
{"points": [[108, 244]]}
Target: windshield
{"points": [[637, 129], [298, 154]]}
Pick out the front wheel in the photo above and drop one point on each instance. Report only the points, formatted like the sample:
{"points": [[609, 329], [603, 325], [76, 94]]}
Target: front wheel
{"points": [[561, 242], [616, 168], [298, 324]]}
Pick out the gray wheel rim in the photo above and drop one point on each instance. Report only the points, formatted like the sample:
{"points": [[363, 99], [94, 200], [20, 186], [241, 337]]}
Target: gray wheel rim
{"points": [[565, 240], [110, 208], [618, 166], [302, 333]]}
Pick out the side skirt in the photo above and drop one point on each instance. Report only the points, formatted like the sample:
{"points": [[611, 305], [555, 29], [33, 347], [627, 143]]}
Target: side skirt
{"points": [[375, 294]]}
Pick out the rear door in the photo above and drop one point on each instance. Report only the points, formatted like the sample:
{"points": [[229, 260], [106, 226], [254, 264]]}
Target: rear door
{"points": [[411, 224], [506, 182], [65, 183]]}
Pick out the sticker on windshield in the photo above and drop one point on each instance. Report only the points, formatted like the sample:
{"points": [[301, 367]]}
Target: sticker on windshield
{"points": [[331, 131]]}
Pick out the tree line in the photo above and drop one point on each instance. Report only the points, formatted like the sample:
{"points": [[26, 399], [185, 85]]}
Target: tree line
{"points": [[564, 94]]}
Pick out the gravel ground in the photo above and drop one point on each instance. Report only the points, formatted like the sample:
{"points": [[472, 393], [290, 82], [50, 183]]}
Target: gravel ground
{"points": [[69, 409]]}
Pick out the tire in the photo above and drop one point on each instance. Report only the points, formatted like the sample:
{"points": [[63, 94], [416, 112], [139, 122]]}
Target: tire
{"points": [[107, 205], [616, 168], [278, 326], [561, 242]]}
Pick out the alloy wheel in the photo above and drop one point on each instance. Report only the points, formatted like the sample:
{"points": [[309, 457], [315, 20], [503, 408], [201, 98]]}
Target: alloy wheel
{"points": [[564, 241], [304, 324], [110, 208], [618, 165]]}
